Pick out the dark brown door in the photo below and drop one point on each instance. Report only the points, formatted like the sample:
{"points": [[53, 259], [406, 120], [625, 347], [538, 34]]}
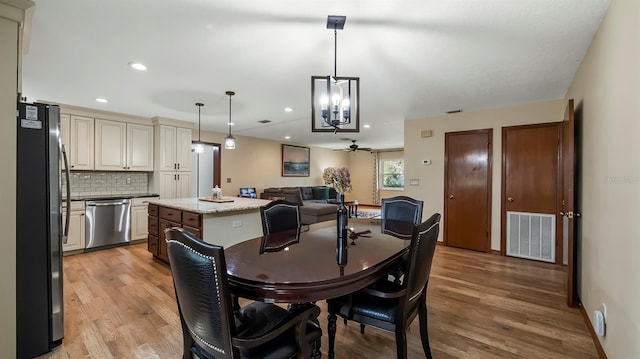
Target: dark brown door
{"points": [[569, 213], [467, 202], [531, 174]]}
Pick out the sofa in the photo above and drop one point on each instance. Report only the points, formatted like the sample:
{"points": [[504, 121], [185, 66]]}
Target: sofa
{"points": [[313, 201]]}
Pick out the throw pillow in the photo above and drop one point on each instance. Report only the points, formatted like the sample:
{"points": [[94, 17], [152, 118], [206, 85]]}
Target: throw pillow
{"points": [[321, 192], [307, 193]]}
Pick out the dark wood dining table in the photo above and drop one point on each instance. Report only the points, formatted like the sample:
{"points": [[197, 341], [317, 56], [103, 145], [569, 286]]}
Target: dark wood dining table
{"points": [[301, 266]]}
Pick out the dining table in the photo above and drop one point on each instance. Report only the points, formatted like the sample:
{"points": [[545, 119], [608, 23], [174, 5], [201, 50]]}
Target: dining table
{"points": [[303, 265]]}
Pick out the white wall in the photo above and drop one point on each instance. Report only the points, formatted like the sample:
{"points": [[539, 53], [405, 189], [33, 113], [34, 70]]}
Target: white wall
{"points": [[607, 89], [431, 177]]}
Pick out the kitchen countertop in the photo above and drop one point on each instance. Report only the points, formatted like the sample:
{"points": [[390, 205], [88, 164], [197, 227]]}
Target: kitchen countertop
{"points": [[89, 197], [203, 207]]}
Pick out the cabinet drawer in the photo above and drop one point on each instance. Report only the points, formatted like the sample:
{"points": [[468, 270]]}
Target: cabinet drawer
{"points": [[170, 214], [75, 205], [142, 201], [191, 219], [152, 225], [153, 210], [194, 231]]}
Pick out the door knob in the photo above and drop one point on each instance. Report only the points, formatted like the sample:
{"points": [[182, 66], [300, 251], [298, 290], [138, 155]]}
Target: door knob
{"points": [[451, 196], [510, 199], [562, 214], [578, 214]]}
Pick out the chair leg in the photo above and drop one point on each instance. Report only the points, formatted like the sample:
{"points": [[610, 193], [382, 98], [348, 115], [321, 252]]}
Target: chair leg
{"points": [[401, 342], [361, 328], [316, 354], [424, 331]]}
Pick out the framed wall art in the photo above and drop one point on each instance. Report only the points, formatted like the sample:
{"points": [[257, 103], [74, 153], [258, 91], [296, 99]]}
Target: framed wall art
{"points": [[295, 161]]}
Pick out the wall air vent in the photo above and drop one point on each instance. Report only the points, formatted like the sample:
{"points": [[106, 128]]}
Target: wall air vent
{"points": [[264, 121]]}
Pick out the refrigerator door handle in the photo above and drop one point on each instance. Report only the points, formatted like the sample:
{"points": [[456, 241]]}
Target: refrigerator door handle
{"points": [[66, 172]]}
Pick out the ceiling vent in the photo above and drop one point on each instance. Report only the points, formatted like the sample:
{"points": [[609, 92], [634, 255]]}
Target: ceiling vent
{"points": [[264, 121]]}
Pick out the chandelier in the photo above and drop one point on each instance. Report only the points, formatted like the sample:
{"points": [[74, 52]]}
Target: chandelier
{"points": [[335, 100]]}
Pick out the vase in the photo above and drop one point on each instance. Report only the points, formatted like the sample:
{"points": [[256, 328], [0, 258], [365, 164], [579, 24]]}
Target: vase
{"points": [[342, 228]]}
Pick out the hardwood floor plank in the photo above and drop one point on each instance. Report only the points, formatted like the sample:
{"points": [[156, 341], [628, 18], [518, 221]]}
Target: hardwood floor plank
{"points": [[119, 303]]}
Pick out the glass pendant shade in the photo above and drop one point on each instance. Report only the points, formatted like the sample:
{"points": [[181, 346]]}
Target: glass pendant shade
{"points": [[230, 143], [197, 147]]}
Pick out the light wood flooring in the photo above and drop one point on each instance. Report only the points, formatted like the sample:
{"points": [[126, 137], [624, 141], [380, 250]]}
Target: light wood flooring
{"points": [[119, 303]]}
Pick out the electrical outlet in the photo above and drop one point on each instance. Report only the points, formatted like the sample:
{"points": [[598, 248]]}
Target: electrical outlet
{"points": [[228, 179], [128, 180], [236, 223]]}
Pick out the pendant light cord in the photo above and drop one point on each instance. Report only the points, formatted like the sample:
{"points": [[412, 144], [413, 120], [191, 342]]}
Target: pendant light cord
{"points": [[335, 52], [229, 115]]}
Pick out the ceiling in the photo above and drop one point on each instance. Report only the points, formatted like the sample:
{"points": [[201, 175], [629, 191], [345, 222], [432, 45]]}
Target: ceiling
{"points": [[415, 59]]}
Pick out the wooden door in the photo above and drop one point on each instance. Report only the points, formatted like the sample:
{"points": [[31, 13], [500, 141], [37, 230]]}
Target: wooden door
{"points": [[467, 202], [569, 212], [531, 175]]}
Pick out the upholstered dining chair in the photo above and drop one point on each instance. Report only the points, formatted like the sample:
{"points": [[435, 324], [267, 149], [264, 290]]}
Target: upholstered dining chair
{"points": [[280, 215], [391, 306], [211, 329], [401, 209]]}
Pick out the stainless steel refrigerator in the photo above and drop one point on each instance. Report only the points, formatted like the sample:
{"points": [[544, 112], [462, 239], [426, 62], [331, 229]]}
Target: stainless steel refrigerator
{"points": [[39, 230]]}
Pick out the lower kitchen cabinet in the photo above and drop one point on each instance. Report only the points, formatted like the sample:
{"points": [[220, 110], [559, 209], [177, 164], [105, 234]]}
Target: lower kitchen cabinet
{"points": [[139, 217], [161, 218], [75, 238]]}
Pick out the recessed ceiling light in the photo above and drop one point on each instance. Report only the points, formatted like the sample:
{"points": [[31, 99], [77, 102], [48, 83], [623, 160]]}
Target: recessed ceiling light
{"points": [[138, 66], [102, 100], [366, 126], [288, 109], [287, 137]]}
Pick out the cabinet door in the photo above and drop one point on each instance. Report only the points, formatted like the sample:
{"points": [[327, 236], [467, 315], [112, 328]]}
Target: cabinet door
{"points": [[183, 149], [183, 185], [162, 244], [139, 147], [111, 145], [65, 129], [168, 185], [168, 149], [139, 222], [81, 138], [75, 240]]}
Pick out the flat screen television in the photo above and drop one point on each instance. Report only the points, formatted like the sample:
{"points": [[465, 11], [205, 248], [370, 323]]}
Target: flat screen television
{"points": [[249, 192]]}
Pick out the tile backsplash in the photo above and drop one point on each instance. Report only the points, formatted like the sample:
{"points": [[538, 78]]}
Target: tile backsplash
{"points": [[106, 183]]}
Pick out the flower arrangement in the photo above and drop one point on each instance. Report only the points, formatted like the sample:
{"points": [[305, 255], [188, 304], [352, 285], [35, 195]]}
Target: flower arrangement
{"points": [[340, 178]]}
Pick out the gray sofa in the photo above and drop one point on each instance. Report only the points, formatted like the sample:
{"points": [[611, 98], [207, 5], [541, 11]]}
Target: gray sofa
{"points": [[312, 200]]}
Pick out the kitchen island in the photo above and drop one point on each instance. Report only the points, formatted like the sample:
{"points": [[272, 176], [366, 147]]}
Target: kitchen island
{"points": [[224, 224]]}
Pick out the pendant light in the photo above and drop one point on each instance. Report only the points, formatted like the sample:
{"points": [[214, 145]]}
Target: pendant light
{"points": [[197, 146], [229, 141], [335, 99]]}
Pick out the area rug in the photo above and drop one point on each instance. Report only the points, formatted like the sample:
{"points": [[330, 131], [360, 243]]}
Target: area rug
{"points": [[368, 214]]}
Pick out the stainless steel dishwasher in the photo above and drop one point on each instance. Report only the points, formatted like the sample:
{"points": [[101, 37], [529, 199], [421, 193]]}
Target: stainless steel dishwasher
{"points": [[108, 222]]}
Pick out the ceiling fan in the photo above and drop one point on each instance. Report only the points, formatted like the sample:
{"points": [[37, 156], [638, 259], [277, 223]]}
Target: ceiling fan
{"points": [[354, 147]]}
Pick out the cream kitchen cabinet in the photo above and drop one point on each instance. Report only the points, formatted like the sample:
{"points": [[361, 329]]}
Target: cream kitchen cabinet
{"points": [[75, 238], [76, 133], [139, 217], [175, 148], [123, 146], [175, 185]]}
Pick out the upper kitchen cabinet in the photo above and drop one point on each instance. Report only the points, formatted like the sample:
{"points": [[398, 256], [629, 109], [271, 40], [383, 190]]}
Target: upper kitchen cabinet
{"points": [[175, 148], [123, 146], [77, 138]]}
